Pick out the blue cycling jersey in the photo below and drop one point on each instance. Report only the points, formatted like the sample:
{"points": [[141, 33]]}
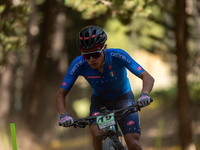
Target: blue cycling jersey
{"points": [[113, 82]]}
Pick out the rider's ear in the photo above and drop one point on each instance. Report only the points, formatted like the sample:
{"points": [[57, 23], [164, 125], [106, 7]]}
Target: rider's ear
{"points": [[105, 47]]}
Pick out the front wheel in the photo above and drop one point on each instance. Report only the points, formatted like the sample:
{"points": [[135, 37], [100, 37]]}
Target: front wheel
{"points": [[109, 144]]}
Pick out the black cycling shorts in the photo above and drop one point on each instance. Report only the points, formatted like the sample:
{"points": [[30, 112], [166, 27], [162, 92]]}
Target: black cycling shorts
{"points": [[128, 124]]}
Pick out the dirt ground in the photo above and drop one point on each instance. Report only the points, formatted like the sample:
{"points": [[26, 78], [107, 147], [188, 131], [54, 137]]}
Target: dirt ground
{"points": [[160, 129]]}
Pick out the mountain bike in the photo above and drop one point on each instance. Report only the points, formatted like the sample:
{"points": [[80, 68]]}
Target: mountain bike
{"points": [[107, 121]]}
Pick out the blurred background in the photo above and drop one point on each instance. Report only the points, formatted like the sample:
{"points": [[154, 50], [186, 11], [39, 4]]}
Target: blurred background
{"points": [[38, 42]]}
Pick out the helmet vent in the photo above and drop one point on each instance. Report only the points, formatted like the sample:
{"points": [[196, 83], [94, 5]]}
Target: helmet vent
{"points": [[87, 38], [93, 36], [81, 37]]}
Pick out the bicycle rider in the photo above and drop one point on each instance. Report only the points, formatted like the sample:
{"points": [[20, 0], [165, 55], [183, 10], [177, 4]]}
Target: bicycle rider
{"points": [[105, 70]]}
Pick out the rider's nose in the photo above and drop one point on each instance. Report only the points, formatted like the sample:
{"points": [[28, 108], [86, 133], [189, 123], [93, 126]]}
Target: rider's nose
{"points": [[91, 58]]}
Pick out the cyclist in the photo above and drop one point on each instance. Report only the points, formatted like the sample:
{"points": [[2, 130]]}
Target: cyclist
{"points": [[105, 70]]}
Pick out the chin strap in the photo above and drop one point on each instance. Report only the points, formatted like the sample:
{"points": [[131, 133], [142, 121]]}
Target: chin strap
{"points": [[103, 58]]}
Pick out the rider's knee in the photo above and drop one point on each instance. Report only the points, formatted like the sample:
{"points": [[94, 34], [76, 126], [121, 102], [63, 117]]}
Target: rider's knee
{"points": [[96, 135], [134, 145], [96, 138], [95, 130]]}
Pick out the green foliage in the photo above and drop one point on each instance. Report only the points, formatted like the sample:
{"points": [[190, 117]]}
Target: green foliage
{"points": [[117, 37], [158, 142], [168, 97], [13, 25], [194, 92], [39, 2], [122, 9], [90, 8], [147, 19], [6, 139], [2, 8], [148, 34], [165, 97]]}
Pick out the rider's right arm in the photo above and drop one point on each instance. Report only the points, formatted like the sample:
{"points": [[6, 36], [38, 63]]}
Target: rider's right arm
{"points": [[75, 69], [60, 100]]}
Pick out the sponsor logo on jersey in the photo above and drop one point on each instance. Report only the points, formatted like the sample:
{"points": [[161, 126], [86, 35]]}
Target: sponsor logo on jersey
{"points": [[139, 68], [112, 73], [96, 113], [131, 122], [110, 67], [64, 84], [93, 77], [120, 56], [78, 64]]}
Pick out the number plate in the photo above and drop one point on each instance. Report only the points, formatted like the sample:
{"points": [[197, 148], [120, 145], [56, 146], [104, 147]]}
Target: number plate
{"points": [[105, 121]]}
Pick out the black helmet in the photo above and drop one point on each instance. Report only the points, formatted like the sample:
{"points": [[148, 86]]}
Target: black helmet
{"points": [[90, 38]]}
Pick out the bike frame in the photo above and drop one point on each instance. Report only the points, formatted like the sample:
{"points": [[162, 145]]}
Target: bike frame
{"points": [[112, 132]]}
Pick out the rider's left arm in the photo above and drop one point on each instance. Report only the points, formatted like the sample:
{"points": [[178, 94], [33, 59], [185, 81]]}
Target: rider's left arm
{"points": [[148, 82]]}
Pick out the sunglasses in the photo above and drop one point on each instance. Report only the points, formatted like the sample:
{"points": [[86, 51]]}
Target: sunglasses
{"points": [[95, 54]]}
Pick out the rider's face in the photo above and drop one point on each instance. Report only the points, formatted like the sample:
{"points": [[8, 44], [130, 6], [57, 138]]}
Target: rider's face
{"points": [[95, 63]]}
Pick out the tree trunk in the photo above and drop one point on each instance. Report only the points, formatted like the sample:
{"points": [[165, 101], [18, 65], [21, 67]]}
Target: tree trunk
{"points": [[28, 63], [36, 99], [41, 109], [183, 94], [7, 90], [57, 67]]}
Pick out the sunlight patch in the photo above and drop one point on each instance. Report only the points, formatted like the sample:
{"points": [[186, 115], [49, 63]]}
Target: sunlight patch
{"points": [[82, 107]]}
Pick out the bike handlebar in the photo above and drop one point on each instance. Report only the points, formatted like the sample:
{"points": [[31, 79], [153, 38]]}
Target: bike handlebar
{"points": [[82, 122]]}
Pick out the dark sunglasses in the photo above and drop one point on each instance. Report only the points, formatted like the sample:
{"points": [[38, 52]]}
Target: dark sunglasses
{"points": [[95, 54]]}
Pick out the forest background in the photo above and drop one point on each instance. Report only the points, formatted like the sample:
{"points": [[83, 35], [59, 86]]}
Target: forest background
{"points": [[38, 42]]}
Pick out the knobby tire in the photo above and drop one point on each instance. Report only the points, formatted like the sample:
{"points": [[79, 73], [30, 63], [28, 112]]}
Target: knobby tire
{"points": [[109, 144]]}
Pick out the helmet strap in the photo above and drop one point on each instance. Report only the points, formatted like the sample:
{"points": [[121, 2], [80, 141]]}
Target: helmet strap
{"points": [[103, 57]]}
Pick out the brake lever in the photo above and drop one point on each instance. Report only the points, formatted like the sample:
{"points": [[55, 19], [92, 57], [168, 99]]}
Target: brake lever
{"points": [[82, 124]]}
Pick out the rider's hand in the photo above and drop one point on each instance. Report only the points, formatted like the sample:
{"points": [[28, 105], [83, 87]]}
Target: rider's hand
{"points": [[144, 100], [66, 120]]}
